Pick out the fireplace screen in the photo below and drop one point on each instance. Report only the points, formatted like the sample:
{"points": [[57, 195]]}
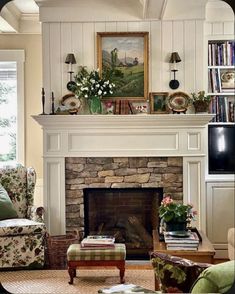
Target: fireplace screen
{"points": [[128, 214]]}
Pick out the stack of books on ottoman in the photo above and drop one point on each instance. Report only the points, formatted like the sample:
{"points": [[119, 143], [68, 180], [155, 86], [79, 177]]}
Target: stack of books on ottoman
{"points": [[181, 241], [97, 242]]}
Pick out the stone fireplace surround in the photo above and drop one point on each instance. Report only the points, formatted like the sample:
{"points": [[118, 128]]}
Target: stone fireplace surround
{"points": [[121, 136], [117, 172]]}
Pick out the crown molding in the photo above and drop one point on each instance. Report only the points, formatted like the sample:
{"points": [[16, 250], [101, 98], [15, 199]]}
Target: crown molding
{"points": [[30, 16]]}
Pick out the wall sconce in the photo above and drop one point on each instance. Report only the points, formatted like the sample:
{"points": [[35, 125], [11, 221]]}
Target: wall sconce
{"points": [[174, 84], [70, 60]]}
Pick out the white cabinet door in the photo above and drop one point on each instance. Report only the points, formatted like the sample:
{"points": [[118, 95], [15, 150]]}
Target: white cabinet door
{"points": [[220, 214]]}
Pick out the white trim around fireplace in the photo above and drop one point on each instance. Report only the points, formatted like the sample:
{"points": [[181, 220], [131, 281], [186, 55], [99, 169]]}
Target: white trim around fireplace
{"points": [[120, 136]]}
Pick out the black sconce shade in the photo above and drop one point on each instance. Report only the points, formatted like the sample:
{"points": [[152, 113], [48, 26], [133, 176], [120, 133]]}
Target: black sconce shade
{"points": [[175, 57], [70, 59]]}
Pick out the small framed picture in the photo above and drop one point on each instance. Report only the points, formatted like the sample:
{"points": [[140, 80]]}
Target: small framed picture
{"points": [[227, 77], [158, 102]]}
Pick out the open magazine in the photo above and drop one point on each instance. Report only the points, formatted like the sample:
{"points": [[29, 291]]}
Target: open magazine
{"points": [[124, 289]]}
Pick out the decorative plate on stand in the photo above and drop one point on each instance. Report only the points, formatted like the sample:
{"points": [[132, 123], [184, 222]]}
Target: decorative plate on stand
{"points": [[71, 103], [178, 102]]}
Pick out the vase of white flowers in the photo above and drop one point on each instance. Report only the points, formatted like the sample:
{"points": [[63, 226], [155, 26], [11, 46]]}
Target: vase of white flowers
{"points": [[91, 87]]}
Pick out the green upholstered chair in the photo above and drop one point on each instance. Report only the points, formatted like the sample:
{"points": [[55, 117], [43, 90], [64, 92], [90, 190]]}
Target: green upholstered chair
{"points": [[218, 278]]}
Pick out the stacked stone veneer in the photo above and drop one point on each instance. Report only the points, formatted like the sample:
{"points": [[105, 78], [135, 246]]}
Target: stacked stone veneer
{"points": [[118, 172]]}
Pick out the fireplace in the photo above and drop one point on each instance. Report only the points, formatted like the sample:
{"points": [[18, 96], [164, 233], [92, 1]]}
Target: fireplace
{"points": [[87, 136], [113, 173], [128, 214]]}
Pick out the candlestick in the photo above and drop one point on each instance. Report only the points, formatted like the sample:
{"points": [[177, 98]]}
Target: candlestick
{"points": [[43, 102], [52, 103]]}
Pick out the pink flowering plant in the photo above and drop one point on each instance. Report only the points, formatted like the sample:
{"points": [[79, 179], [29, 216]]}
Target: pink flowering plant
{"points": [[171, 211]]}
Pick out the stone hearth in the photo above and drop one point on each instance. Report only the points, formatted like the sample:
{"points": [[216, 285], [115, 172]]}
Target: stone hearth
{"points": [[117, 172]]}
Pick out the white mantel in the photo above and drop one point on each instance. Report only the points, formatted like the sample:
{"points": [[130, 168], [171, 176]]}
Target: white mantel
{"points": [[122, 135]]}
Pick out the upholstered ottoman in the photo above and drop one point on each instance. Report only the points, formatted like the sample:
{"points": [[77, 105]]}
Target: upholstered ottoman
{"points": [[78, 257]]}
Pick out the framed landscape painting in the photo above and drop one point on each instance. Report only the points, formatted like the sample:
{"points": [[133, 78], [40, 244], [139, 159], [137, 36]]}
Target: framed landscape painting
{"points": [[123, 59]]}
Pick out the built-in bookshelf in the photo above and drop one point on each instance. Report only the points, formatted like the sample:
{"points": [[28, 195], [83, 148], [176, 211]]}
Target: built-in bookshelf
{"points": [[221, 79]]}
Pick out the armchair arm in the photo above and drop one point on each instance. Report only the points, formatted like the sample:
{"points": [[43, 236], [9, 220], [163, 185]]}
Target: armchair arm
{"points": [[35, 213]]}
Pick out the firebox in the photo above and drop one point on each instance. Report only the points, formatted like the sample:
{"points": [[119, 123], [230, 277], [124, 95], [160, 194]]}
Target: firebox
{"points": [[128, 214]]}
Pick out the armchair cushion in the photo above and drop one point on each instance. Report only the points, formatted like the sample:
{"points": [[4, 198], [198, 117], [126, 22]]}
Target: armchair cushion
{"points": [[175, 274], [20, 226], [218, 278], [6, 207]]}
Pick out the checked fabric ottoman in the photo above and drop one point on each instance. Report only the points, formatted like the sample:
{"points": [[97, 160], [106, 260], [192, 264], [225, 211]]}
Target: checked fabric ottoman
{"points": [[77, 257]]}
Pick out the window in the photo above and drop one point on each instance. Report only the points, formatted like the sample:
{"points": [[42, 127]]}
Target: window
{"points": [[11, 106]]}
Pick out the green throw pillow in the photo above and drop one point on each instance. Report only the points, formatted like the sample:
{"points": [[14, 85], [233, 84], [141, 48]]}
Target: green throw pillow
{"points": [[218, 278], [7, 209]]}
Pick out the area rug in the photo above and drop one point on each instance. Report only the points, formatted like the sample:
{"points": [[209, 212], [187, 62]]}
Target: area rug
{"points": [[86, 282]]}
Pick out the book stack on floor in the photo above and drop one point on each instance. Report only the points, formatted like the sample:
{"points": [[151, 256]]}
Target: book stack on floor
{"points": [[189, 242], [97, 242]]}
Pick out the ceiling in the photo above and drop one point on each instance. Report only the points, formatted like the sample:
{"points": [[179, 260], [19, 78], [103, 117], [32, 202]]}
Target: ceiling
{"points": [[22, 16], [26, 6]]}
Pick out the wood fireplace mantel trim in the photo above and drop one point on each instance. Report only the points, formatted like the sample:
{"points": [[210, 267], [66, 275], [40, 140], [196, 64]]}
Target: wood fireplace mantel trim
{"points": [[64, 136], [123, 121]]}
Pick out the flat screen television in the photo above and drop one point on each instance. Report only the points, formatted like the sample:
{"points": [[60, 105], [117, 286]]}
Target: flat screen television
{"points": [[221, 149]]}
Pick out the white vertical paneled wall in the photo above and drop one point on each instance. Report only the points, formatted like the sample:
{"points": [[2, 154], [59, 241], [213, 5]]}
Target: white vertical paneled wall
{"points": [[225, 28], [186, 37]]}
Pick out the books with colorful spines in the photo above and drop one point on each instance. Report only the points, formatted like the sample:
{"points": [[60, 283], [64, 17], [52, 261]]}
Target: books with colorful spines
{"points": [[97, 241], [192, 238]]}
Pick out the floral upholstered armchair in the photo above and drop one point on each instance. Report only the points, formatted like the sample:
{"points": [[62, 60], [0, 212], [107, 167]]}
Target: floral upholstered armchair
{"points": [[22, 229]]}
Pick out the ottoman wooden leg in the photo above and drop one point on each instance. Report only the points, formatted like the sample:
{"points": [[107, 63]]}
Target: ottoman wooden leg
{"points": [[121, 268], [72, 274]]}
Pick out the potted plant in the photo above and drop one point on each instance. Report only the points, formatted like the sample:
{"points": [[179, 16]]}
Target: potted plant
{"points": [[91, 87], [200, 101], [175, 215]]}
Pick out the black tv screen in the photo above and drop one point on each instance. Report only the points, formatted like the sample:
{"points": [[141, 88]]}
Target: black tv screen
{"points": [[221, 149]]}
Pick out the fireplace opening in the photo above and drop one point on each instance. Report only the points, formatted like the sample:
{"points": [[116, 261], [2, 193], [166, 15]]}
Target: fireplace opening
{"points": [[128, 214]]}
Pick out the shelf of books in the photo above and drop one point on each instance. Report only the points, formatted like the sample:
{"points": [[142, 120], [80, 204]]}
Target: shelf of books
{"points": [[221, 80]]}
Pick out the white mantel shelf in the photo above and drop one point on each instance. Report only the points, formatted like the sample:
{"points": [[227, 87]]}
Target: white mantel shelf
{"points": [[183, 135], [123, 121]]}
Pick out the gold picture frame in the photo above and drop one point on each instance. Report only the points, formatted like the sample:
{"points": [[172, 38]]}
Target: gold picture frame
{"points": [[158, 102], [123, 58]]}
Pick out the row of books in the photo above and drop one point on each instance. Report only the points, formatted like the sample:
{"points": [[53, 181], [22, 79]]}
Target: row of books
{"points": [[221, 80], [221, 53], [97, 241], [123, 107], [190, 242], [224, 108]]}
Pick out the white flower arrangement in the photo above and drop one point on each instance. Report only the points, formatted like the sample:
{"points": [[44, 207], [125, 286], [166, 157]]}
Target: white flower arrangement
{"points": [[90, 84]]}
